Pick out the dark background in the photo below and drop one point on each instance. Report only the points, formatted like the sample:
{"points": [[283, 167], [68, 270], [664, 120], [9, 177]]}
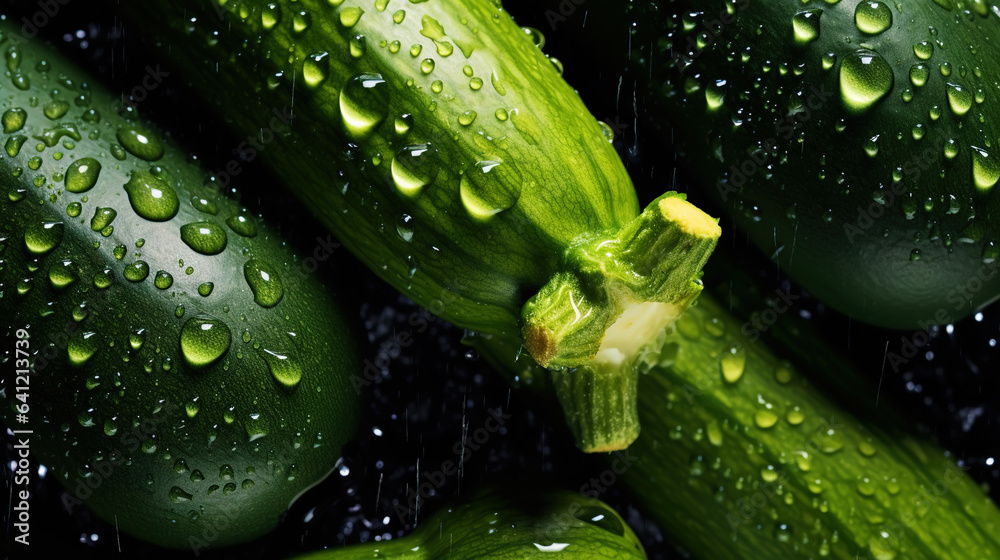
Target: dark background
{"points": [[436, 384]]}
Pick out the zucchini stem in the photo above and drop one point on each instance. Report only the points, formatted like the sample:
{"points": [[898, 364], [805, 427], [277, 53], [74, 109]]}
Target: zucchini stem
{"points": [[597, 324]]}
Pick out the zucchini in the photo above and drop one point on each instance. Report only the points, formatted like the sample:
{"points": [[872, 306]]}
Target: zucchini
{"points": [[852, 137], [443, 148], [498, 524], [742, 456], [180, 374]]}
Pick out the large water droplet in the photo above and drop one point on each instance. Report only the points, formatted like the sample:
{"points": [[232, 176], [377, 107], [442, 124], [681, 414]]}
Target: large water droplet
{"points": [[81, 348], [13, 120], [42, 237], [733, 363], [243, 224], [865, 78], [82, 174], [139, 143], [263, 282], [985, 169], [413, 168], [284, 367], [62, 274], [315, 69], [136, 272], [364, 103], [204, 340], [805, 26], [151, 197], [872, 17], [959, 99], [206, 238], [102, 218], [490, 187]]}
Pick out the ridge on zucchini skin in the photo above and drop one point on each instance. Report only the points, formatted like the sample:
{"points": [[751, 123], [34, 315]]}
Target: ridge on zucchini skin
{"points": [[185, 382], [855, 142], [447, 153]]}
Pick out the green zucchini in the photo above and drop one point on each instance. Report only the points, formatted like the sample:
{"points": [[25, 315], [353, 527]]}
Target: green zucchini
{"points": [[180, 373], [742, 456], [854, 142], [443, 148], [499, 524]]}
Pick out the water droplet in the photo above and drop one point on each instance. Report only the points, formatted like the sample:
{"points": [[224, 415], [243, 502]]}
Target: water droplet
{"points": [[733, 363], [283, 366], [103, 279], [795, 416], [263, 282], [715, 96], [872, 17], [782, 532], [13, 120], [467, 118], [102, 218], [42, 237], [74, 209], [363, 103], [427, 66], [243, 224], [136, 339], [865, 78], [151, 197], [959, 99], [163, 280], [301, 21], [270, 16], [357, 46], [315, 69], [81, 176], [489, 187], [81, 348], [805, 26], [136, 272], [204, 205], [919, 73], [404, 227], [205, 289], [950, 148], [140, 144], [765, 418], [784, 373], [403, 124], [178, 495], [62, 274], [349, 17], [985, 169], [413, 168], [13, 144], [923, 50], [191, 409], [206, 238], [204, 340]]}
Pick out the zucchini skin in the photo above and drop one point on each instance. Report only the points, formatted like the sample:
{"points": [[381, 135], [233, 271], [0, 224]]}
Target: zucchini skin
{"points": [[474, 272], [730, 469], [499, 523], [868, 209], [161, 393]]}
